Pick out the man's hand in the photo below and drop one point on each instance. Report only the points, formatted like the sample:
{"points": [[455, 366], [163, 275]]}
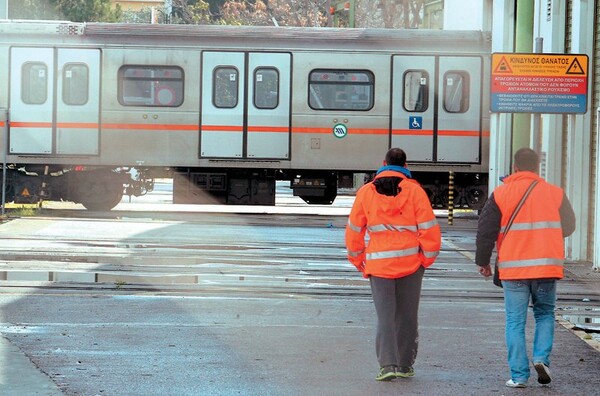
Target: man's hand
{"points": [[485, 270], [362, 269]]}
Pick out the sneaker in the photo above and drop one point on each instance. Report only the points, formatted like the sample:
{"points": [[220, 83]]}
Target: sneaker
{"points": [[405, 372], [512, 384], [543, 373], [386, 373]]}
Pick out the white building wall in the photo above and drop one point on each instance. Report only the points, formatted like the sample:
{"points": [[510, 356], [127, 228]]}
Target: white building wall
{"points": [[503, 34], [550, 25], [467, 14], [580, 129]]}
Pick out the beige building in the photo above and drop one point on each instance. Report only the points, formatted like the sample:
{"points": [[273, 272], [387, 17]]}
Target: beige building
{"points": [[136, 5]]}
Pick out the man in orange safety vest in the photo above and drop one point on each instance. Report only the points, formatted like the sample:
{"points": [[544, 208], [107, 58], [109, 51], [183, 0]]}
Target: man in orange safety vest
{"points": [[530, 259], [404, 239]]}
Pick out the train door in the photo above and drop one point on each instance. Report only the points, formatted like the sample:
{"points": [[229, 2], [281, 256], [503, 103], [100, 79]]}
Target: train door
{"points": [[459, 109], [413, 110], [245, 105], [54, 101], [222, 122], [436, 107], [31, 100], [77, 101], [268, 130]]}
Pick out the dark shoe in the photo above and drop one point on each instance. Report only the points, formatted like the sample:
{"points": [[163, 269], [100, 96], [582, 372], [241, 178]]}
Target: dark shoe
{"points": [[386, 373], [543, 373], [405, 372]]}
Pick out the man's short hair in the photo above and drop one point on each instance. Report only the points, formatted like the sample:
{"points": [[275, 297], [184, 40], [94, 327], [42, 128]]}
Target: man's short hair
{"points": [[395, 156], [527, 160]]}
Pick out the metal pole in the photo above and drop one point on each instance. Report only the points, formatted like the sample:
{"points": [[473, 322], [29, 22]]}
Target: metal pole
{"points": [[3, 9], [451, 198], [523, 43], [536, 143], [4, 130]]}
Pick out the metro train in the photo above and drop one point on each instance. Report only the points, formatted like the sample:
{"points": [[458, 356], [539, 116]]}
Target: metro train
{"points": [[92, 111]]}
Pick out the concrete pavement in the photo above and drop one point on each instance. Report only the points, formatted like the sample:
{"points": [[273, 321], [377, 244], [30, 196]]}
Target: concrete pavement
{"points": [[99, 341], [19, 376], [313, 346]]}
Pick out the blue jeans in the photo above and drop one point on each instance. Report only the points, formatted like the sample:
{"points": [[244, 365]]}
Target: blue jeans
{"points": [[516, 301]]}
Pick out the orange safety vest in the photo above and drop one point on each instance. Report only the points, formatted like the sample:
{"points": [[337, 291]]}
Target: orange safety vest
{"points": [[534, 247], [403, 231]]}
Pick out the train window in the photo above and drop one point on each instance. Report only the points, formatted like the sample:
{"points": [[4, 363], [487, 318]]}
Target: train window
{"points": [[34, 83], [456, 92], [266, 88], [416, 89], [225, 87], [155, 86], [341, 90], [75, 84]]}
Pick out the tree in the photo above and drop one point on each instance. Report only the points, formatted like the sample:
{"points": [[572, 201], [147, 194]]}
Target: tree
{"points": [[398, 14], [143, 15], [279, 12], [88, 10], [72, 10]]}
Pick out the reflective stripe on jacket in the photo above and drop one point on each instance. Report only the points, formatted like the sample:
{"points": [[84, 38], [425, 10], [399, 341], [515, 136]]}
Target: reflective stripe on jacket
{"points": [[403, 231], [533, 247]]}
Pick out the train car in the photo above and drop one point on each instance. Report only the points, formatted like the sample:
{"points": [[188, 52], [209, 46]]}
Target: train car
{"points": [[92, 111]]}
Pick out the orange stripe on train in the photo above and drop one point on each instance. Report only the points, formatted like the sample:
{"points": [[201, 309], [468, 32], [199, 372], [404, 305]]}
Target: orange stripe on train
{"points": [[83, 125], [152, 127], [351, 131], [16, 124], [458, 133], [238, 128], [413, 132]]}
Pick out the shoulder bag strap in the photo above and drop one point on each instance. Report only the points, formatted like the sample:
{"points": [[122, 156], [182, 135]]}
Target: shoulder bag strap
{"points": [[516, 211]]}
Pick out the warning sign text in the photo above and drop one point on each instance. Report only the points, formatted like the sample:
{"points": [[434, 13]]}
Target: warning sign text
{"points": [[539, 83]]}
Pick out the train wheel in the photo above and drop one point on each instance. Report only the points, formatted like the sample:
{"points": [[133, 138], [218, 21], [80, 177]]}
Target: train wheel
{"points": [[101, 192]]}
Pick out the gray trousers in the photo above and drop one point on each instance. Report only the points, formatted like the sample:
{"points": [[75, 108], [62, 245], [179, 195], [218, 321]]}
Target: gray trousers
{"points": [[397, 306]]}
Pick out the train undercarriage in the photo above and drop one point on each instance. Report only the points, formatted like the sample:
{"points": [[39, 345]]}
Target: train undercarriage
{"points": [[101, 189]]}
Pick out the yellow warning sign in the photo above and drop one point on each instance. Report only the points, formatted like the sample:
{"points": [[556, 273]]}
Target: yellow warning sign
{"points": [[555, 65], [539, 83], [576, 68], [25, 192], [503, 67]]}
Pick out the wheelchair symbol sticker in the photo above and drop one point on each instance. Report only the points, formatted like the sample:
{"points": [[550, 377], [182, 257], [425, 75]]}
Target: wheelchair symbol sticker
{"points": [[415, 122]]}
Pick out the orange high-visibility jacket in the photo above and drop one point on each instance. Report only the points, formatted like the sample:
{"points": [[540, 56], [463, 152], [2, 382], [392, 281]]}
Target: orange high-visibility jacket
{"points": [[403, 231], [533, 247]]}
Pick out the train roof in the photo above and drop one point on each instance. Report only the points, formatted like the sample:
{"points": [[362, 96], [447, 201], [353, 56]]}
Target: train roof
{"points": [[268, 36]]}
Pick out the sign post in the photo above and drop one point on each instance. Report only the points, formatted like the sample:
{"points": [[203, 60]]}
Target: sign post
{"points": [[4, 133], [539, 83]]}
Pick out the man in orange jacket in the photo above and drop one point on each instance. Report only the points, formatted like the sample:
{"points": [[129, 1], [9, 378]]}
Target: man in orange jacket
{"points": [[404, 239], [530, 259]]}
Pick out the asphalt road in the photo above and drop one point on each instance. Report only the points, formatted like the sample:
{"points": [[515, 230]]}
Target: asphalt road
{"points": [[253, 301]]}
